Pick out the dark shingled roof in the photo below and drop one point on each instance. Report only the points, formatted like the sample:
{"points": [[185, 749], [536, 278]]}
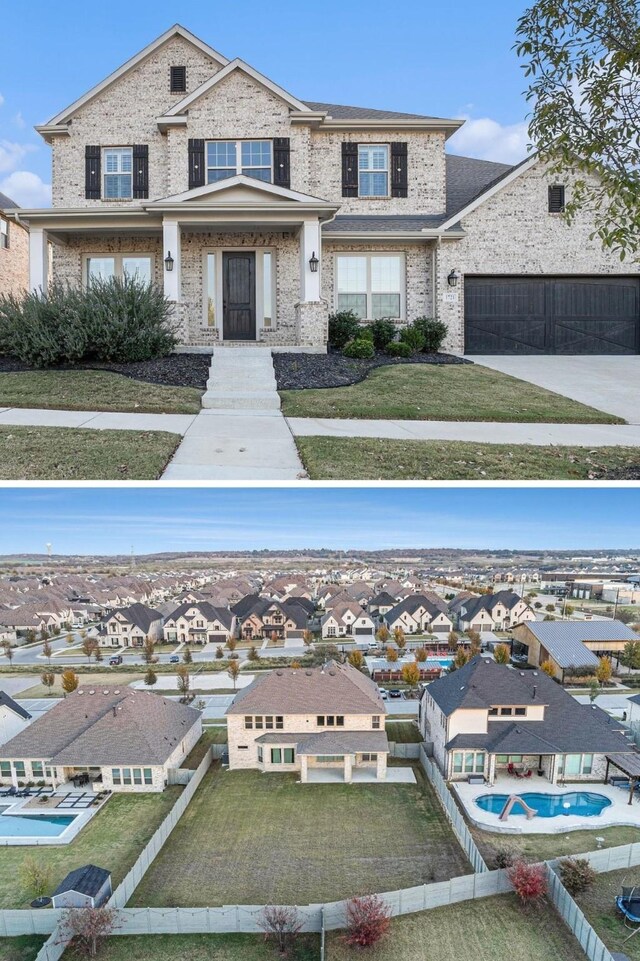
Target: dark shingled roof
{"points": [[139, 615], [8, 702], [209, 611], [6, 203], [86, 880], [342, 112], [468, 177], [349, 223]]}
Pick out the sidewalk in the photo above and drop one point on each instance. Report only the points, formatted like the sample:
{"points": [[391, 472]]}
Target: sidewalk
{"points": [[95, 420]]}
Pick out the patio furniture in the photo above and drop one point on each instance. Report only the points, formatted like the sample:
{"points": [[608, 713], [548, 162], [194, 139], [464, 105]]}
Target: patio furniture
{"points": [[10, 792], [475, 779], [513, 771]]}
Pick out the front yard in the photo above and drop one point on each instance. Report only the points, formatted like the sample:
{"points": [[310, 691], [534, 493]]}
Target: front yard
{"points": [[69, 453], [359, 458], [598, 904], [94, 390], [113, 839], [251, 838], [429, 392]]}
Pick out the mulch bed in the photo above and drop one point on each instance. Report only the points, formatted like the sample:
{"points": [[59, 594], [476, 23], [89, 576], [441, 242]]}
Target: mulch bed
{"points": [[618, 473], [300, 371], [176, 370]]}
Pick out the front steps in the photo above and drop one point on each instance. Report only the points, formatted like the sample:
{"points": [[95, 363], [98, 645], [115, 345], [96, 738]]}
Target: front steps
{"points": [[241, 379]]}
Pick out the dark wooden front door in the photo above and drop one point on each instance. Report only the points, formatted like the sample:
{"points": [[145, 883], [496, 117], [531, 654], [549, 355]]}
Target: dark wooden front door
{"points": [[239, 296]]}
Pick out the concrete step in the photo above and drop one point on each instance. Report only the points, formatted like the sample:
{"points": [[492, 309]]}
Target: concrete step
{"points": [[222, 399], [242, 385]]}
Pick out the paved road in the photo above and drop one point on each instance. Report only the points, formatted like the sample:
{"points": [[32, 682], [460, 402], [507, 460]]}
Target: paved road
{"points": [[612, 703]]}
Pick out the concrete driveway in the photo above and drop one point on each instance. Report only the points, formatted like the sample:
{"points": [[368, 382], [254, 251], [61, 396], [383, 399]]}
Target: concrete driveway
{"points": [[611, 384]]}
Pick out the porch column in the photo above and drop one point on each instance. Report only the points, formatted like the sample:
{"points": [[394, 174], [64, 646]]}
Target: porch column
{"points": [[381, 768], [303, 768], [348, 768], [310, 244], [38, 259], [14, 776], [171, 238]]}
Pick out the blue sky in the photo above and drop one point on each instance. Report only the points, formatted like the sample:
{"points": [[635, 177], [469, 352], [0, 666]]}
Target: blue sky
{"points": [[111, 520], [422, 56]]}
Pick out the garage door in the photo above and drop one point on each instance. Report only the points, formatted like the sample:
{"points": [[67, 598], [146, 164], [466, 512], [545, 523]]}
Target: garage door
{"points": [[551, 315]]}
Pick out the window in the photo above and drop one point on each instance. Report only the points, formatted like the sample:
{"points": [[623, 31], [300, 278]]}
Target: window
{"points": [[279, 722], [115, 775], [4, 233], [506, 712], [137, 775], [509, 758], [373, 170], [118, 173], [493, 712], [289, 755], [258, 722], [228, 158], [520, 711], [267, 294], [260, 755], [556, 199], [320, 720], [468, 762], [372, 285], [375, 722], [5, 769], [329, 758], [148, 775], [178, 79], [573, 765], [126, 775], [369, 757], [276, 755], [102, 267], [18, 767], [37, 768]]}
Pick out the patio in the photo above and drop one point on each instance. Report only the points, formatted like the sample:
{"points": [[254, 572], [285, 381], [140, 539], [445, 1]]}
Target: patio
{"points": [[332, 775], [39, 807]]}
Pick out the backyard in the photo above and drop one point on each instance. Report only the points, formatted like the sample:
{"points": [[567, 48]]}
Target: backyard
{"points": [[113, 839], [599, 907], [544, 847], [200, 947], [250, 838], [429, 392]]}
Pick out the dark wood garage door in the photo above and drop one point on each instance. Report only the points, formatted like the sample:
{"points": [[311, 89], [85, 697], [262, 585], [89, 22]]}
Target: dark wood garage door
{"points": [[552, 315]]}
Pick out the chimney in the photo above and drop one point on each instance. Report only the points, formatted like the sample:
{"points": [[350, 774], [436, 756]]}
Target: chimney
{"points": [[535, 691]]}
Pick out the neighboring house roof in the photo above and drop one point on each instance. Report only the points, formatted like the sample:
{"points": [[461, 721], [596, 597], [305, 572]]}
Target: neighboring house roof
{"points": [[333, 689], [87, 880], [11, 705], [6, 203], [342, 112], [411, 604], [564, 640], [383, 600], [137, 614], [95, 727]]}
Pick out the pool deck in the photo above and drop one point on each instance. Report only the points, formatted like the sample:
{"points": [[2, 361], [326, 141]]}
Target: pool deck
{"points": [[29, 806], [618, 813]]}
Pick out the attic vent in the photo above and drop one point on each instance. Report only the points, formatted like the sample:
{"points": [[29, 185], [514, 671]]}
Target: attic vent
{"points": [[105, 692], [116, 692], [309, 673], [80, 692], [332, 673], [92, 692], [279, 673], [178, 79]]}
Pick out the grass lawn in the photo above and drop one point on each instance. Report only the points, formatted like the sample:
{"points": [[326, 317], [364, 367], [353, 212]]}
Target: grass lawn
{"points": [[114, 838], [403, 732], [488, 928], [251, 838], [422, 392], [363, 458], [68, 453], [545, 847], [599, 907], [86, 680], [210, 735], [24, 948], [94, 390], [199, 947]]}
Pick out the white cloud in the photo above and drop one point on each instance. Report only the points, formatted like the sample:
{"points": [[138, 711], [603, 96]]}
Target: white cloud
{"points": [[12, 154], [487, 139], [27, 189], [1, 99], [19, 121]]}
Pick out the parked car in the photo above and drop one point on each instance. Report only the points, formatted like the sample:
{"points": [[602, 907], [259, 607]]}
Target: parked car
{"points": [[395, 693], [174, 659], [383, 693], [115, 660]]}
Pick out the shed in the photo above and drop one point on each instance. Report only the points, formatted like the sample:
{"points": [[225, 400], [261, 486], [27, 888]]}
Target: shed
{"points": [[86, 887]]}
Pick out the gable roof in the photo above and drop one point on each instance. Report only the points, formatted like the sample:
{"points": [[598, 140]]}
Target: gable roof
{"points": [[240, 180], [468, 177], [175, 31], [341, 112], [6, 203], [11, 705], [209, 611], [487, 191], [85, 880], [139, 615], [564, 640]]}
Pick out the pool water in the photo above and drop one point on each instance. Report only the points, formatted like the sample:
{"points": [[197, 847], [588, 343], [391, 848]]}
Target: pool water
{"points": [[581, 803], [440, 661], [34, 825]]}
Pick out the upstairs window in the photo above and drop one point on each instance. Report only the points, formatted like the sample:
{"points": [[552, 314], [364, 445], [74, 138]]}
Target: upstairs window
{"points": [[556, 199], [229, 158], [178, 79], [4, 233], [373, 170], [118, 173]]}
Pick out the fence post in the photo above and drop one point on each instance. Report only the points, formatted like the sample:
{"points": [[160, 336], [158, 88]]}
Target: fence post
{"points": [[322, 933]]}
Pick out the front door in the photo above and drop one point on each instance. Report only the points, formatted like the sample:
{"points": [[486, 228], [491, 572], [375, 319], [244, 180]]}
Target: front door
{"points": [[239, 295]]}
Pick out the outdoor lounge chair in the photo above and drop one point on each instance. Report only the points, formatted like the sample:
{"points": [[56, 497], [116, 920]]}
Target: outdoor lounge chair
{"points": [[10, 792]]}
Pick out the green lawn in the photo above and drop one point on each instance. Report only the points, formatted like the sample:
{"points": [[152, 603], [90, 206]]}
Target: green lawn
{"points": [[545, 847], [488, 929], [421, 392], [403, 732], [199, 947], [24, 948], [68, 453], [360, 458], [599, 907], [251, 838], [113, 839], [94, 390]]}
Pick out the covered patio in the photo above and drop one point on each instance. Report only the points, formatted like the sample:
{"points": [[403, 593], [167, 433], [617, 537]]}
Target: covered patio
{"points": [[629, 764], [346, 756]]}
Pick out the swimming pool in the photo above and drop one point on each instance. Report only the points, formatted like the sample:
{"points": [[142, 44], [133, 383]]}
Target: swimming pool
{"points": [[445, 662], [34, 825], [580, 803]]}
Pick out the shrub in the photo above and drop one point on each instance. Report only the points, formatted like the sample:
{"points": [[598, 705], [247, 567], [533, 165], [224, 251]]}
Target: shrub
{"points": [[383, 332], [529, 882], [343, 327], [368, 921], [576, 874], [433, 331], [398, 349], [360, 348], [412, 336], [504, 858], [42, 330]]}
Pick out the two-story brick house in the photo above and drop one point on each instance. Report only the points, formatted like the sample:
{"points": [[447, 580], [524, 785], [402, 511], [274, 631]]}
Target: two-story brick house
{"points": [[14, 250], [199, 622], [130, 626], [313, 720], [259, 213]]}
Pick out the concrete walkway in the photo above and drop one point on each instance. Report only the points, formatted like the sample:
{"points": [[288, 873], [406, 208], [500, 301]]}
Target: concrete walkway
{"points": [[240, 434], [96, 420], [470, 432], [608, 383]]}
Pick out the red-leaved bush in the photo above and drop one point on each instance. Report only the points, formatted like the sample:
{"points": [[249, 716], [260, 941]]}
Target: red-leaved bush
{"points": [[368, 921], [529, 881]]}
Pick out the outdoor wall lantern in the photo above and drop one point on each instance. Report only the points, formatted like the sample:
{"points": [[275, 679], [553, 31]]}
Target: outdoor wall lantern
{"points": [[453, 278], [168, 261], [314, 263]]}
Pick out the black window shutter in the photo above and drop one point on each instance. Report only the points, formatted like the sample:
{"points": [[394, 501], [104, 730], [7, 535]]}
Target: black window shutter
{"points": [[92, 173], [140, 171], [556, 199], [399, 170], [349, 169], [282, 162], [196, 163]]}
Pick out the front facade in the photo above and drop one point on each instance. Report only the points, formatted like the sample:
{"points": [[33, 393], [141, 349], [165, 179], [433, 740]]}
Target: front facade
{"points": [[418, 615], [492, 612], [347, 620], [131, 626], [260, 214], [199, 623], [312, 721], [14, 250]]}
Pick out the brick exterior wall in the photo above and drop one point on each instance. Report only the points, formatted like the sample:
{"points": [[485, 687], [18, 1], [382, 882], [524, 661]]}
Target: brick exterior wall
{"points": [[14, 262]]}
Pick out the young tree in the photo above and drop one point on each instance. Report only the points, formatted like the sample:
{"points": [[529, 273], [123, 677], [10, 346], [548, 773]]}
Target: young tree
{"points": [[7, 647], [604, 670], [30, 636], [187, 656], [69, 638], [231, 643], [150, 677], [577, 875], [551, 608], [392, 655], [356, 659], [282, 925], [421, 655], [48, 679], [368, 921], [88, 647], [219, 652], [307, 638], [252, 654], [411, 674], [548, 668], [87, 928], [501, 654], [461, 658], [295, 665], [35, 876], [382, 634], [148, 650], [594, 690], [184, 681], [630, 656], [452, 641], [47, 650], [233, 671], [69, 680], [44, 634], [476, 644], [529, 882], [399, 638], [581, 58]]}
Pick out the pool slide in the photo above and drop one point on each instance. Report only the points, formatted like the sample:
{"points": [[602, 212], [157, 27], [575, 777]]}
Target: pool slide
{"points": [[512, 800]]}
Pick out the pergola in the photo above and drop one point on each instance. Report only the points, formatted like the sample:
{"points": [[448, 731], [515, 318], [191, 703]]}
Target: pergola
{"points": [[629, 764]]}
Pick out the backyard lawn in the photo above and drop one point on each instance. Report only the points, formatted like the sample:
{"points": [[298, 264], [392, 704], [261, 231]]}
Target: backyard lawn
{"points": [[24, 948], [599, 908], [199, 947], [488, 929], [94, 390], [363, 458], [403, 732], [251, 838], [113, 839], [545, 847], [69, 453], [428, 392]]}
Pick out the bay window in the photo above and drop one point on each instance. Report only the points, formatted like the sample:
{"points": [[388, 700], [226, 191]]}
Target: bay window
{"points": [[372, 285], [118, 173], [373, 170], [229, 158]]}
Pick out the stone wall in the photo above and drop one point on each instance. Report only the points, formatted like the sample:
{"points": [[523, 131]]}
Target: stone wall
{"points": [[14, 261]]}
